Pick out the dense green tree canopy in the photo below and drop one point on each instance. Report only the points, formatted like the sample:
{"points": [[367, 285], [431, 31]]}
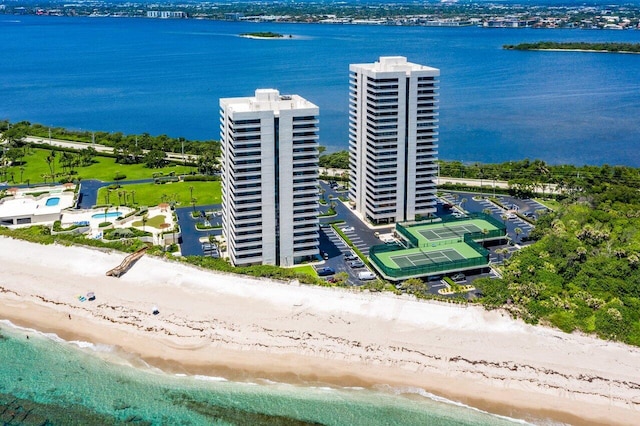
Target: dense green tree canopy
{"points": [[335, 160], [583, 273]]}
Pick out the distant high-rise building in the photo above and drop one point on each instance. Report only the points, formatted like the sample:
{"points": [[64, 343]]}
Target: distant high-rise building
{"points": [[270, 178], [393, 139]]}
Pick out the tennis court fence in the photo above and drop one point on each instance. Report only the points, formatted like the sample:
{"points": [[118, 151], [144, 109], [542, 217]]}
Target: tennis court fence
{"points": [[427, 269]]}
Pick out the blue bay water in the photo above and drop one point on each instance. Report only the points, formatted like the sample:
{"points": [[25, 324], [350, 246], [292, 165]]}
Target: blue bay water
{"points": [[166, 76], [60, 382]]}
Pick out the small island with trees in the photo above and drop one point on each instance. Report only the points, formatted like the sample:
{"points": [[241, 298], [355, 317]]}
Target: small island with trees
{"points": [[264, 35], [577, 47]]}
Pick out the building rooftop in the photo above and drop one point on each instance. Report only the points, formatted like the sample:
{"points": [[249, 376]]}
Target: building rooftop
{"points": [[395, 64], [266, 100]]}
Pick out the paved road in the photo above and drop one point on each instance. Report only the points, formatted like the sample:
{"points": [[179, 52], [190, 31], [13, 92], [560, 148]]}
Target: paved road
{"points": [[101, 148], [88, 193]]}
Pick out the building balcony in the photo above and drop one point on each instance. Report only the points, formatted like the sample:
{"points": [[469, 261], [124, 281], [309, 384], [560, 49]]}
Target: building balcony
{"points": [[247, 253], [304, 167], [306, 220]]}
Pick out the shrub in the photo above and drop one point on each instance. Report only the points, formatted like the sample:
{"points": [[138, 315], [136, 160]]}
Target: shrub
{"points": [[200, 178], [119, 176]]}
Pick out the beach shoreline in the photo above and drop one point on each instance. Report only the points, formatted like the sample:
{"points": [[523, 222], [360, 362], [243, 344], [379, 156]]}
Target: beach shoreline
{"points": [[241, 328]]}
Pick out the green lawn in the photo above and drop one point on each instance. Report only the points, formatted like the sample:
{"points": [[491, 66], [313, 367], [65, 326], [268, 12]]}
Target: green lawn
{"points": [[151, 194], [550, 203], [153, 222], [104, 169], [306, 269]]}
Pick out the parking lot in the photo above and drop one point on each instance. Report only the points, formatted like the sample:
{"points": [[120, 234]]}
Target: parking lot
{"points": [[338, 255], [517, 228]]}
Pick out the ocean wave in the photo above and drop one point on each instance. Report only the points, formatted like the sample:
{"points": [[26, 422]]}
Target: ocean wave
{"points": [[33, 331], [426, 394], [210, 378]]}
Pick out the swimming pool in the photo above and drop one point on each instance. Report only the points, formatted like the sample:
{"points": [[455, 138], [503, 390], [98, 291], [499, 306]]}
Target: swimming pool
{"points": [[53, 201], [110, 215]]}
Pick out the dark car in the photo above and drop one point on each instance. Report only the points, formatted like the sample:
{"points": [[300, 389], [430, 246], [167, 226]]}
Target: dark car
{"points": [[323, 272]]}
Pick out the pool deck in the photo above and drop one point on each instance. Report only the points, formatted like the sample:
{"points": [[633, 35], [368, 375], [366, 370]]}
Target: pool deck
{"points": [[22, 202], [74, 217]]}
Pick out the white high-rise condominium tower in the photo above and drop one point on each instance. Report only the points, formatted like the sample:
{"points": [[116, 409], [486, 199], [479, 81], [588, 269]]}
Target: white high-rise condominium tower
{"points": [[393, 139], [270, 178]]}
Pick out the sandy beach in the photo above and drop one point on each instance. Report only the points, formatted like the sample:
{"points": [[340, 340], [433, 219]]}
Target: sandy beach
{"points": [[238, 327]]}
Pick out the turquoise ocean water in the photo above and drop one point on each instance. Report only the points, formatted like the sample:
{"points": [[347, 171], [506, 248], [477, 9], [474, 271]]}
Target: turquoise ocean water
{"points": [[46, 379]]}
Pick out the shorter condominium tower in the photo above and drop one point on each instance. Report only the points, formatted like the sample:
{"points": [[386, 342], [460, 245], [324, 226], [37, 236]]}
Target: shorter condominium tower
{"points": [[270, 178], [393, 139]]}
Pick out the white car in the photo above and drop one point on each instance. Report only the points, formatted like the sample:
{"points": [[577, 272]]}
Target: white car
{"points": [[347, 229], [366, 275]]}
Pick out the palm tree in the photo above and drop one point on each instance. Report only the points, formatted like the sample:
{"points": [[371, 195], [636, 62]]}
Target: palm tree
{"points": [[106, 210], [145, 218], [518, 231]]}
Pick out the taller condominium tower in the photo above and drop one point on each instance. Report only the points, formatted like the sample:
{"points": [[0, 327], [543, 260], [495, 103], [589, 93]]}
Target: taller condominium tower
{"points": [[393, 139], [270, 178]]}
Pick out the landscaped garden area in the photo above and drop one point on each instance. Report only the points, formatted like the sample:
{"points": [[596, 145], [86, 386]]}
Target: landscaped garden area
{"points": [[38, 165], [151, 194]]}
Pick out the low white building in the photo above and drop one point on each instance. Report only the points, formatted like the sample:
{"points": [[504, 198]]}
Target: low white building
{"points": [[34, 206], [270, 178]]}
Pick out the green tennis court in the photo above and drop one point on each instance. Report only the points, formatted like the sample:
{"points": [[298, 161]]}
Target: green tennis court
{"points": [[448, 232], [438, 247], [426, 258]]}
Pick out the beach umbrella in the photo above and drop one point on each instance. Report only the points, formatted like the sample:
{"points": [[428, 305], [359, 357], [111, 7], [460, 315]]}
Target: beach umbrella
{"points": [[91, 296], [155, 310]]}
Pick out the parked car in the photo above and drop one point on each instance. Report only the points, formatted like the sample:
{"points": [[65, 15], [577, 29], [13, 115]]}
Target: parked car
{"points": [[350, 256], [433, 278], [459, 277], [356, 264], [324, 255], [326, 271], [347, 228], [208, 247], [530, 215], [366, 275]]}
